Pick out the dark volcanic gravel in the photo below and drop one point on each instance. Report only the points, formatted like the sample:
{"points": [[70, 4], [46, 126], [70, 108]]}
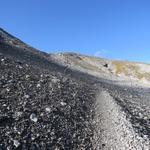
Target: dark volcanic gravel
{"points": [[43, 110], [47, 106]]}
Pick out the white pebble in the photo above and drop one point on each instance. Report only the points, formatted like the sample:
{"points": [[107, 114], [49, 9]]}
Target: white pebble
{"points": [[47, 109], [7, 89], [33, 117], [63, 103], [16, 143], [38, 85], [20, 67], [26, 96], [27, 76]]}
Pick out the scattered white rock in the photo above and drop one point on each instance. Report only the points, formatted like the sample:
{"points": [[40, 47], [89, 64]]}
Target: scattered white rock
{"points": [[140, 115], [20, 67], [7, 89], [47, 109], [38, 85], [33, 117], [8, 108], [57, 148], [18, 113], [63, 103], [16, 143], [42, 114], [26, 96], [32, 138], [55, 80], [27, 76]]}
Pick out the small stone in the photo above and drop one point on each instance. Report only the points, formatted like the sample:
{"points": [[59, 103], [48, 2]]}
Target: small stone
{"points": [[33, 117], [38, 85], [32, 138], [4, 105], [47, 109], [27, 76], [18, 114], [55, 80], [26, 96], [7, 89], [57, 148], [42, 114], [63, 103], [20, 67], [16, 143], [140, 115]]}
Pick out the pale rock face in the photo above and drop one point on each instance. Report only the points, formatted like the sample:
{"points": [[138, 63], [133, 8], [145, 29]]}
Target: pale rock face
{"points": [[144, 67]]}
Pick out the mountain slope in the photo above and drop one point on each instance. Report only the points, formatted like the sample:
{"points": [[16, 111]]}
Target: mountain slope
{"points": [[109, 69], [48, 102]]}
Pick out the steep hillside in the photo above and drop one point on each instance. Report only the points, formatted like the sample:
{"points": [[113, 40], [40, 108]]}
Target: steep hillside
{"points": [[69, 102], [109, 69]]}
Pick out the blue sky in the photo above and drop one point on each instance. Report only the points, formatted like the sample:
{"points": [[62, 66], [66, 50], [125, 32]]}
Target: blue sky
{"points": [[115, 29]]}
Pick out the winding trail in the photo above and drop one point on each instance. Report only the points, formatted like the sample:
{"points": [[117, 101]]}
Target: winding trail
{"points": [[113, 131]]}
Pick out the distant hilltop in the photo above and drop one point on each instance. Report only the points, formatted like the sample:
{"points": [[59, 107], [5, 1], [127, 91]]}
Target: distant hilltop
{"points": [[108, 69]]}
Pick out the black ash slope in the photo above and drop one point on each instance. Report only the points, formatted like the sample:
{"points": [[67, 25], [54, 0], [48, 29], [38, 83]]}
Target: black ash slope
{"points": [[40, 107], [44, 105]]}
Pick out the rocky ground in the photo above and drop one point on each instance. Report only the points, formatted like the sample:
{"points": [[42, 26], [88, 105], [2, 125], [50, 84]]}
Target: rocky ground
{"points": [[43, 111], [47, 106], [113, 127]]}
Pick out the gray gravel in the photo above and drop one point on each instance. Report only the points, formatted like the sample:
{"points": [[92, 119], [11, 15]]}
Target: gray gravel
{"points": [[112, 128], [43, 111], [46, 106]]}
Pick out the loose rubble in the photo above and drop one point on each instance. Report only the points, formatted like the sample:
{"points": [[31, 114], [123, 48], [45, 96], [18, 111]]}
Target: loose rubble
{"points": [[43, 111], [47, 106]]}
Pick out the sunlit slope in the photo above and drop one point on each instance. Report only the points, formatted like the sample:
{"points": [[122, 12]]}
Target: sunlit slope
{"points": [[130, 69], [110, 69]]}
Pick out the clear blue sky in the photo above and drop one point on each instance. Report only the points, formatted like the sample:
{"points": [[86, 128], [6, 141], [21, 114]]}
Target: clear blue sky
{"points": [[116, 29]]}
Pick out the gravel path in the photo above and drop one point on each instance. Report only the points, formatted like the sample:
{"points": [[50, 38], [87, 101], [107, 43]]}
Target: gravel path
{"points": [[112, 128]]}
